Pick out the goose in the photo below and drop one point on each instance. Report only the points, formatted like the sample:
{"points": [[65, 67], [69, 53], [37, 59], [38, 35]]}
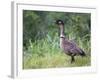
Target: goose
{"points": [[68, 46]]}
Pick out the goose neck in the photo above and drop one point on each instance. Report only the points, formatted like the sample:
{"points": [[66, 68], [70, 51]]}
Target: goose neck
{"points": [[62, 30]]}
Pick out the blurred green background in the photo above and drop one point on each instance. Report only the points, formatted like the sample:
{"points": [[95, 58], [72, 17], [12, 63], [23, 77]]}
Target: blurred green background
{"points": [[41, 38]]}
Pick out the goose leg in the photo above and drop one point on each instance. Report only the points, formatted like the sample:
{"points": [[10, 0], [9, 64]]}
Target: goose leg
{"points": [[72, 59]]}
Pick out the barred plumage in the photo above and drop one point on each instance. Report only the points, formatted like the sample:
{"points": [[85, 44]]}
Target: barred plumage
{"points": [[69, 47]]}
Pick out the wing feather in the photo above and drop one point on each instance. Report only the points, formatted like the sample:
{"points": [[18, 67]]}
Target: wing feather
{"points": [[71, 47]]}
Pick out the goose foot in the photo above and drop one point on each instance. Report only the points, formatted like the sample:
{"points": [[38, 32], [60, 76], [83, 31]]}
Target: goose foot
{"points": [[72, 59]]}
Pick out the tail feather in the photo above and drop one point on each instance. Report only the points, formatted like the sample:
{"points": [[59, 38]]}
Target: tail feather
{"points": [[82, 53]]}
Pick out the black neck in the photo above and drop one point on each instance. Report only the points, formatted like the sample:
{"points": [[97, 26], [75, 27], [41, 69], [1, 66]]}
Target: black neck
{"points": [[62, 37]]}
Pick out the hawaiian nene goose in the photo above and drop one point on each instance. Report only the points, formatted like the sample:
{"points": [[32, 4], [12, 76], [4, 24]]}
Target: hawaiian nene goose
{"points": [[70, 48]]}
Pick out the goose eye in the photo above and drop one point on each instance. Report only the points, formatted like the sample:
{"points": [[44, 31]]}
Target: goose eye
{"points": [[60, 22]]}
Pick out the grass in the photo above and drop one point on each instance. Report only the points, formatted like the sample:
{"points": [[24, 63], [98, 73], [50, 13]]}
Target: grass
{"points": [[45, 53], [54, 61]]}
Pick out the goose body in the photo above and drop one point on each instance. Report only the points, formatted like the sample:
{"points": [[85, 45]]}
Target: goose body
{"points": [[69, 47]]}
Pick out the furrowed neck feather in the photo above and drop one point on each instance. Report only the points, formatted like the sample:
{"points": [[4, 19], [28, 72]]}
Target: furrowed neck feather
{"points": [[61, 29]]}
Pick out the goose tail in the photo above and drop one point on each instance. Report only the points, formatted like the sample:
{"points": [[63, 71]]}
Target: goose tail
{"points": [[82, 53]]}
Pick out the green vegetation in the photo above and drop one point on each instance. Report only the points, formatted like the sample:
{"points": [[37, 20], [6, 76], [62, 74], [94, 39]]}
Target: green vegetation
{"points": [[41, 39]]}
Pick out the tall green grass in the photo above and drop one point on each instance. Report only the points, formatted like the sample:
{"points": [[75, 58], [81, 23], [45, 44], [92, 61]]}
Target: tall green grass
{"points": [[45, 53]]}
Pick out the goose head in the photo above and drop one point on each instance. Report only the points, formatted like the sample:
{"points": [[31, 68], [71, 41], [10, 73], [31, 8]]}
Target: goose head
{"points": [[59, 22]]}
